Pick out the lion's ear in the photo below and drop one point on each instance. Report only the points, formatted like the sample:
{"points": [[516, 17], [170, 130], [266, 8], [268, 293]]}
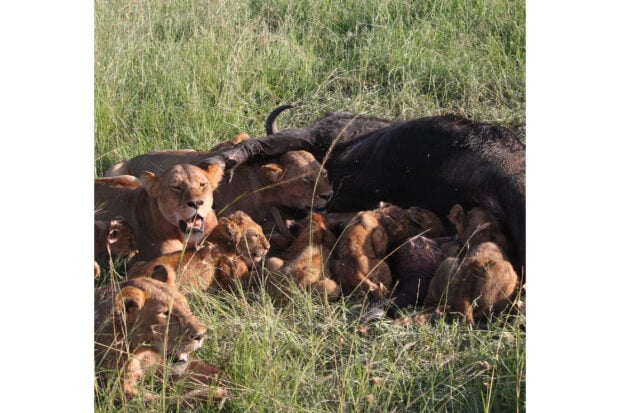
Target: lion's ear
{"points": [[456, 215], [272, 171], [130, 299], [164, 273], [231, 230], [214, 172], [150, 182]]}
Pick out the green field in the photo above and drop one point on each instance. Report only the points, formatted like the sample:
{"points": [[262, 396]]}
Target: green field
{"points": [[189, 74]]}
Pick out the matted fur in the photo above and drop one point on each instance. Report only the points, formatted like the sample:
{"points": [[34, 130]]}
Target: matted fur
{"points": [[166, 212], [234, 246]]}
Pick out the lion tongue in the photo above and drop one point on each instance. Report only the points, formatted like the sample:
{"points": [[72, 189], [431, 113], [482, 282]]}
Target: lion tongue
{"points": [[192, 224], [196, 224]]}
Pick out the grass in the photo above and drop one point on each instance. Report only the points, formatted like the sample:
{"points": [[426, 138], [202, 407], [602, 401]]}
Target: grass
{"points": [[190, 74]]}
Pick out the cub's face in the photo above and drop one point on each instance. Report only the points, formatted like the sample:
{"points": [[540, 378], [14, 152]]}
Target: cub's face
{"points": [[121, 239], [248, 237], [159, 318], [184, 195]]}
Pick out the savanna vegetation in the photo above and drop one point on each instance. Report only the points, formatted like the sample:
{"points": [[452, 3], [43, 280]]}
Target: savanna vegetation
{"points": [[189, 74]]}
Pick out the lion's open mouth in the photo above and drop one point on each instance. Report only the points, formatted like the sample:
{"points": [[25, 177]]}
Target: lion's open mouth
{"points": [[194, 224]]}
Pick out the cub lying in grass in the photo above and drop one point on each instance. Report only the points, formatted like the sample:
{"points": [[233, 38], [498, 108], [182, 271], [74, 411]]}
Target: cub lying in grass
{"points": [[480, 285], [306, 262], [227, 256]]}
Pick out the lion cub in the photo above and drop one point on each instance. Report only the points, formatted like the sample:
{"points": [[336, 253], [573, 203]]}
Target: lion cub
{"points": [[480, 285], [227, 256], [114, 239], [141, 325], [306, 261], [474, 227], [363, 246]]}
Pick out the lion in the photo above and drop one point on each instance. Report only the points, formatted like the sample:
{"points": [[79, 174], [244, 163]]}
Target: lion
{"points": [[478, 286], [167, 212], [363, 246], [140, 326], [114, 239], [226, 257], [306, 261], [476, 226]]}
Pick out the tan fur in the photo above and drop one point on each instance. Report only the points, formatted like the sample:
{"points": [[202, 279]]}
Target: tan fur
{"points": [[166, 212], [476, 226], [307, 260], [139, 327], [363, 246], [480, 285], [236, 244], [294, 180]]}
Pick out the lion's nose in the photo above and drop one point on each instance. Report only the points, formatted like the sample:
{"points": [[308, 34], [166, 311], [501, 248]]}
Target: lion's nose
{"points": [[196, 204]]}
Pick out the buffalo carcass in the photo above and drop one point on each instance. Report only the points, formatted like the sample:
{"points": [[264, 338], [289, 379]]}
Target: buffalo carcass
{"points": [[431, 162]]}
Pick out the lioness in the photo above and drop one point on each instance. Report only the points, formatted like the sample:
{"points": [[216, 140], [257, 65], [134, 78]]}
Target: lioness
{"points": [[306, 261], [227, 256], [114, 239], [140, 326], [480, 285], [166, 212], [362, 248]]}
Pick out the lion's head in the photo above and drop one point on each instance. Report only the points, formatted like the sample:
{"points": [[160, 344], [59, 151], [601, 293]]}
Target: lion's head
{"points": [[147, 314], [184, 195], [298, 181], [476, 226], [243, 235], [115, 237]]}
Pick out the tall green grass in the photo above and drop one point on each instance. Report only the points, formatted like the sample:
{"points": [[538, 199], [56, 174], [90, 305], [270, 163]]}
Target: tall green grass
{"points": [[189, 74]]}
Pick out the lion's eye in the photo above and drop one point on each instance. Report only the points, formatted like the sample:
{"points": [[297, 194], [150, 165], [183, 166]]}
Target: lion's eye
{"points": [[308, 179], [176, 188], [203, 185], [164, 314]]}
